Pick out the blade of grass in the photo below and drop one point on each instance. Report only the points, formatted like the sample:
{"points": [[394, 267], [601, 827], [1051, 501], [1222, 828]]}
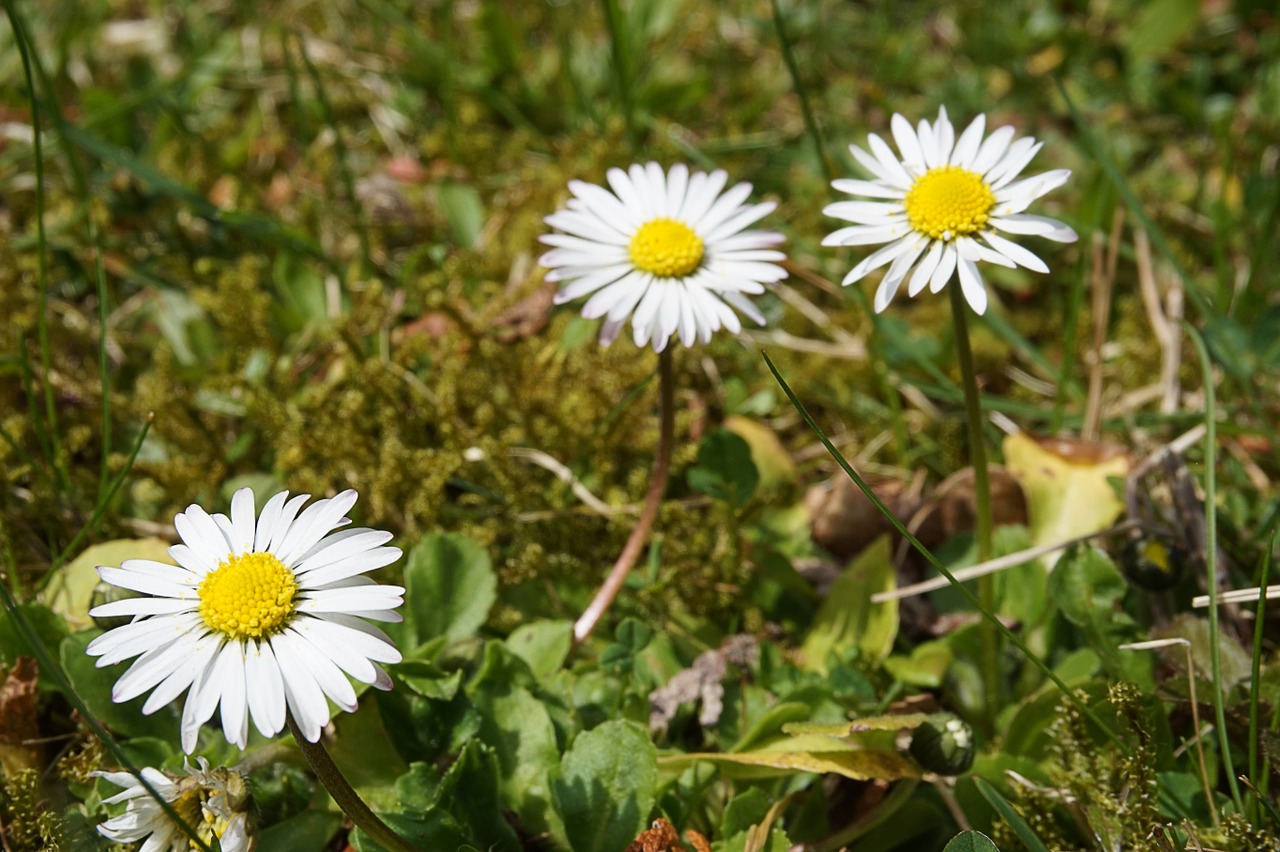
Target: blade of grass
{"points": [[933, 560], [1133, 202], [810, 123], [620, 64], [51, 669], [1211, 559], [105, 499], [1255, 680], [50, 416], [1011, 816], [340, 150]]}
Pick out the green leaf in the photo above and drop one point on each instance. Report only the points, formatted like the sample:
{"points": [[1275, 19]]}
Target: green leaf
{"points": [[1011, 816], [1159, 26], [771, 723], [430, 829], [1087, 587], [368, 758], [48, 627], [470, 793], [69, 591], [848, 619], [971, 841], [94, 685], [724, 468], [745, 810], [428, 680], [518, 727], [464, 210], [304, 832], [926, 667], [544, 645], [770, 457], [816, 753], [606, 787], [449, 587]]}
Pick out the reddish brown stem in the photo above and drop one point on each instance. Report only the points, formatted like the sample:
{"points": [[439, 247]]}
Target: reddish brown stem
{"points": [[648, 513]]}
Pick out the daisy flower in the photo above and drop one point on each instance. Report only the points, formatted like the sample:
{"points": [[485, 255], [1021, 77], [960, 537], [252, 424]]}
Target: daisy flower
{"points": [[257, 616], [667, 249], [212, 802], [937, 200]]}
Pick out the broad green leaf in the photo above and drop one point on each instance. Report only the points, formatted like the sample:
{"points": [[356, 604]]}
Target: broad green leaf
{"points": [[94, 685], [1159, 25], [469, 792], [304, 832], [893, 722], [544, 645], [69, 591], [745, 810], [926, 667], [812, 753], [848, 619], [428, 830], [1087, 587], [971, 841], [1066, 486], [770, 457], [771, 723], [519, 728], [607, 786], [428, 680], [464, 211], [449, 587], [777, 842], [368, 758], [724, 468]]}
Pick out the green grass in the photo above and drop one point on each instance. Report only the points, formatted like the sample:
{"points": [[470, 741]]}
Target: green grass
{"points": [[295, 247]]}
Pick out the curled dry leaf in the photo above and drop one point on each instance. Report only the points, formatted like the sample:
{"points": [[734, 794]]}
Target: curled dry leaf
{"points": [[18, 722], [659, 837]]}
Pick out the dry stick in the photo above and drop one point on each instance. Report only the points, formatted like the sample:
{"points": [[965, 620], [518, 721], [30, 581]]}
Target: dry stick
{"points": [[1164, 321], [586, 623], [1102, 277], [340, 789]]}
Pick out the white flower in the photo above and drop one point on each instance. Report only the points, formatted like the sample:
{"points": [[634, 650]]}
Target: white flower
{"points": [[667, 249], [212, 802], [938, 199], [256, 617]]}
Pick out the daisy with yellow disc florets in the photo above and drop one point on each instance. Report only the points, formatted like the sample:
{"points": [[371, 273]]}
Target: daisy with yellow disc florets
{"points": [[668, 249], [943, 205], [214, 803], [259, 616]]}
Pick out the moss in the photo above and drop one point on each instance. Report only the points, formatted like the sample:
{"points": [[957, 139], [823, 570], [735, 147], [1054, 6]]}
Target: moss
{"points": [[29, 824]]}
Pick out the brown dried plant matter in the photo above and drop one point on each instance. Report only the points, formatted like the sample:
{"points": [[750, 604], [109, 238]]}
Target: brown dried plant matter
{"points": [[662, 836]]}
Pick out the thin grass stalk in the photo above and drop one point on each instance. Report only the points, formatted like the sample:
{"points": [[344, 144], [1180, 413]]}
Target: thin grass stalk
{"points": [[340, 149], [591, 616], [982, 500], [1255, 679], [50, 415], [52, 670], [620, 53], [100, 509], [1211, 560], [328, 773], [964, 591], [810, 123]]}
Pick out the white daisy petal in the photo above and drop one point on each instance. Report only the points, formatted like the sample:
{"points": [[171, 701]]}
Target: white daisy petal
{"points": [[924, 270], [877, 171], [866, 212], [218, 814], [975, 292], [975, 251], [908, 143], [865, 235], [868, 188], [944, 135], [1016, 253], [1020, 153], [220, 633], [929, 145], [683, 233], [969, 142], [878, 259], [897, 174], [1040, 226], [897, 271], [946, 266], [992, 150]]}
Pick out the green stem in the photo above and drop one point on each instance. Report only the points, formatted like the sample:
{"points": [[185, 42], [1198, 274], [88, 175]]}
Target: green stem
{"points": [[340, 789], [810, 123], [621, 65], [1211, 560], [1255, 680], [981, 497]]}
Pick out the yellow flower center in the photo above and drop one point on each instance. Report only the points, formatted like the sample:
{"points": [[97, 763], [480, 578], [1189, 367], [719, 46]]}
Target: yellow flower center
{"points": [[666, 248], [250, 595], [948, 202]]}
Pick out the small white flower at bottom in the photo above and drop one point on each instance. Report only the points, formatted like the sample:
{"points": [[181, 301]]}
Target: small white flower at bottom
{"points": [[937, 200], [258, 617], [212, 802], [666, 249]]}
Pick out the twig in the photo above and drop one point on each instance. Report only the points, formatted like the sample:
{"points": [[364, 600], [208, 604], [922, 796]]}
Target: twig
{"points": [[566, 476], [1102, 277]]}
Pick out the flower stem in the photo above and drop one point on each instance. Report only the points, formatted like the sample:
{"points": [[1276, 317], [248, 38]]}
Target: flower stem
{"points": [[981, 499], [352, 805], [648, 513]]}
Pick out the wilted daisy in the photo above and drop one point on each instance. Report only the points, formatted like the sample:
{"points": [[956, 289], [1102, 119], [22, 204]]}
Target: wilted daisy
{"points": [[212, 802], [667, 249], [941, 197], [258, 616]]}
